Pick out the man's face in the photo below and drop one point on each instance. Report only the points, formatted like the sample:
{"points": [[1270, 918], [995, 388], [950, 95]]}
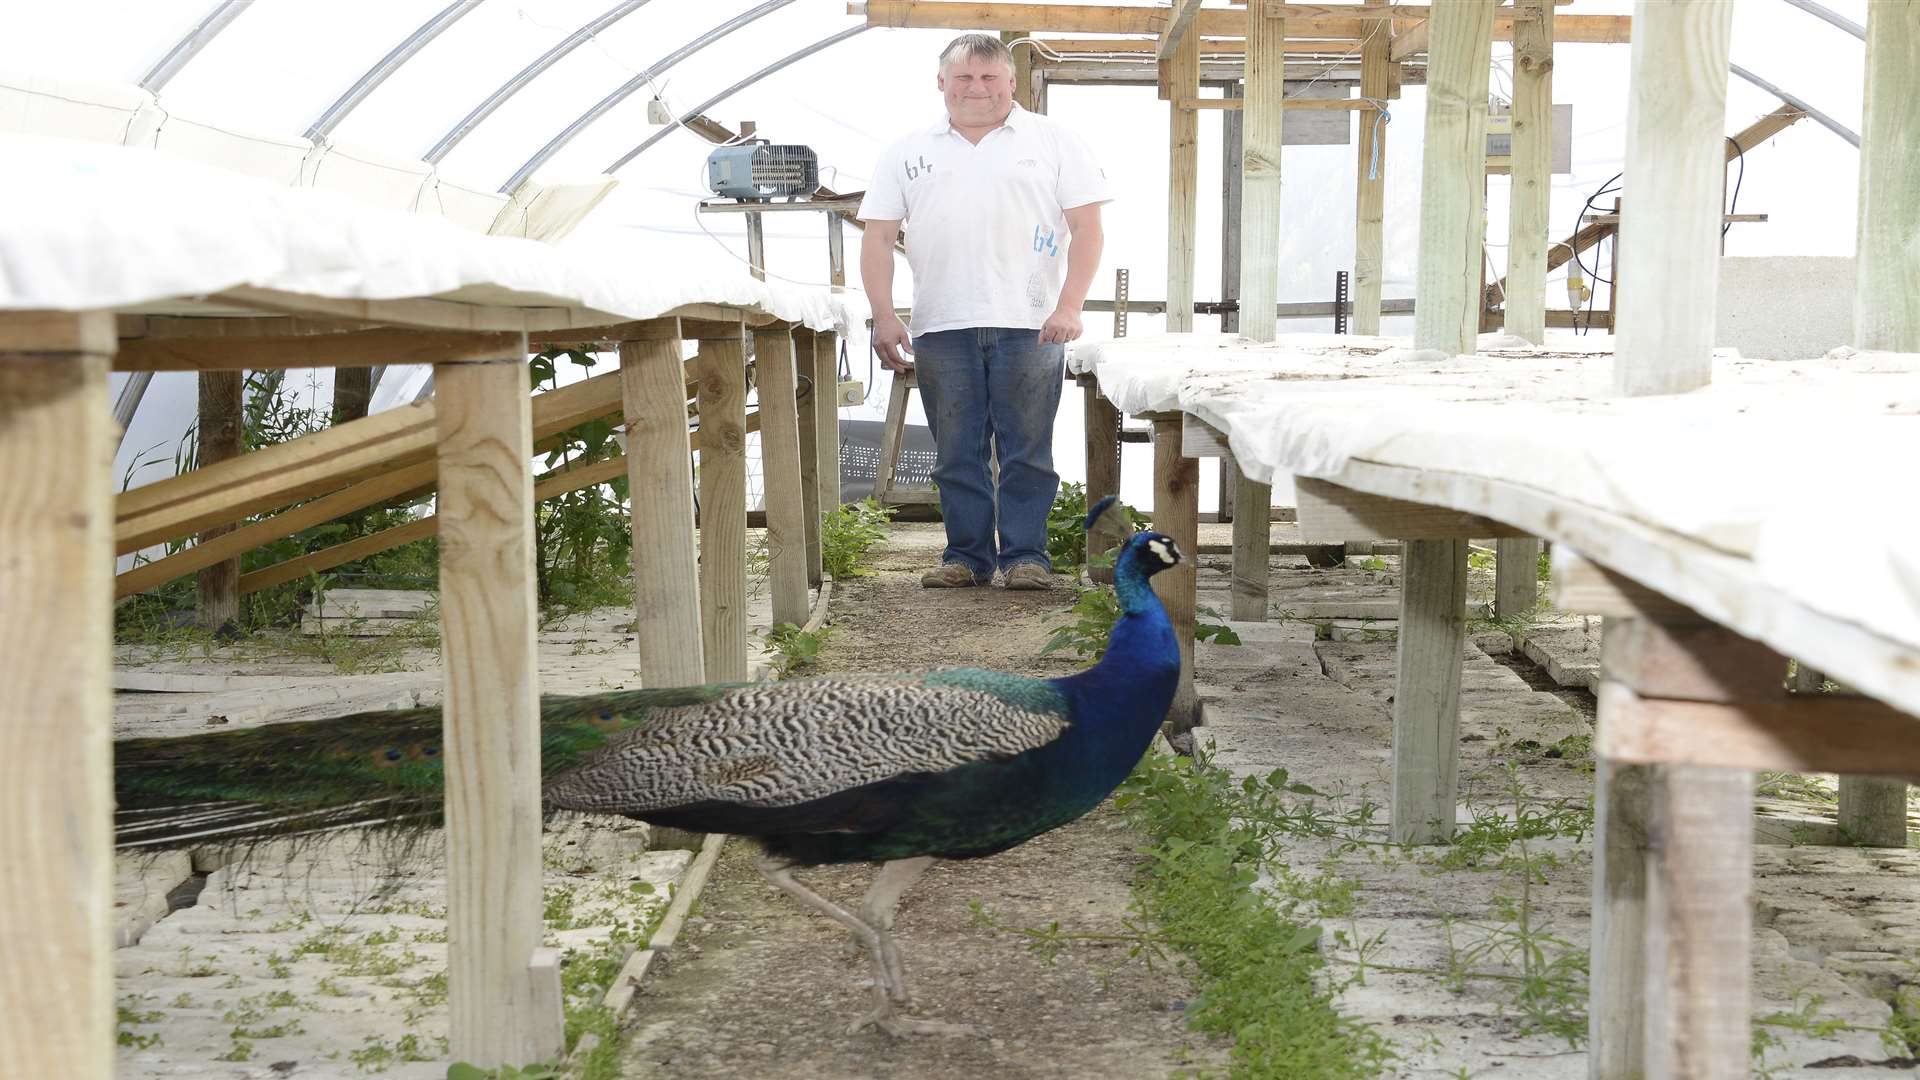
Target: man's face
{"points": [[978, 92]]}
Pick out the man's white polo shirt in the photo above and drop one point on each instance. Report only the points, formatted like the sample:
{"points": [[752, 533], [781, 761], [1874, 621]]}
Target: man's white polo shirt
{"points": [[986, 229]]}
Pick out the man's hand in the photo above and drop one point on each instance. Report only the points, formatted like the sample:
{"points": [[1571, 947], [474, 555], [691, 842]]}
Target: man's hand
{"points": [[1061, 326], [890, 340]]}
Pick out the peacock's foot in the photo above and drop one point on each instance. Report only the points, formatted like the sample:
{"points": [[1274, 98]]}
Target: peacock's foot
{"points": [[888, 1019]]}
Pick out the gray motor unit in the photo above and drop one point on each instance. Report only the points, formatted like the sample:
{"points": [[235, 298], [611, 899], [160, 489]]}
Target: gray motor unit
{"points": [[762, 171]]}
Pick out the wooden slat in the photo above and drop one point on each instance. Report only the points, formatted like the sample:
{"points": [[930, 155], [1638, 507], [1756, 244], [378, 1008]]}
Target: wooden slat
{"points": [[780, 476], [1260, 172], [1331, 513], [346, 349], [501, 1010], [1335, 21], [56, 659], [1183, 173], [1176, 512], [723, 508], [660, 486], [1411, 43], [1199, 439], [1174, 34], [1692, 661], [1531, 172], [1237, 104], [1886, 299], [1426, 701], [1585, 587], [1829, 733], [1370, 196], [1670, 244], [1452, 212]]}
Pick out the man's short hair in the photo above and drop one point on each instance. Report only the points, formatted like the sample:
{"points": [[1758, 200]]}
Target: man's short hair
{"points": [[976, 47]]}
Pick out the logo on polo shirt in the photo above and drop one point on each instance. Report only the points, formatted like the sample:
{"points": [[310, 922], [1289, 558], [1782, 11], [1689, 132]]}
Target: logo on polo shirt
{"points": [[1044, 243], [913, 172], [1027, 161]]}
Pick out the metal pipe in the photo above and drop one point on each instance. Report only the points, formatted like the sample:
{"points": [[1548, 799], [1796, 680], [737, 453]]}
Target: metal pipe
{"points": [[188, 47], [527, 74], [651, 73], [1831, 16], [127, 402], [723, 95], [388, 64], [1826, 121]]}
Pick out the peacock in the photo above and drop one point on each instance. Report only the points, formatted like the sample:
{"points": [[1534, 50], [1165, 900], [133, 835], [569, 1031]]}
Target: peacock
{"points": [[898, 769]]}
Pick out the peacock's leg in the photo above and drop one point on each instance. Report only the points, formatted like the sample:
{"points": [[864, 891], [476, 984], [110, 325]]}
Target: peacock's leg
{"points": [[893, 880], [884, 1015]]}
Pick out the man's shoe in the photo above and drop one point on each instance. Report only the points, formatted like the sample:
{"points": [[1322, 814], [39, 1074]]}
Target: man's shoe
{"points": [[1030, 577], [951, 575]]}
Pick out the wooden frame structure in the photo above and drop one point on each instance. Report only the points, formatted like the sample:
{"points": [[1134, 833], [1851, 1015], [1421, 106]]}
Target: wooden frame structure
{"points": [[475, 440]]}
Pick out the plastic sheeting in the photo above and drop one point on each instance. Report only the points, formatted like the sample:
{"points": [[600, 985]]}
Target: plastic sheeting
{"points": [[116, 227]]}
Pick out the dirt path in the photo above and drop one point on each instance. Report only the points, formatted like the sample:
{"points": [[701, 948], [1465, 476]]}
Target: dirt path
{"points": [[759, 988]]}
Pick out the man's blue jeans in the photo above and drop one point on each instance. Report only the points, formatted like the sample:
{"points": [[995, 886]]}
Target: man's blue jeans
{"points": [[999, 384]]}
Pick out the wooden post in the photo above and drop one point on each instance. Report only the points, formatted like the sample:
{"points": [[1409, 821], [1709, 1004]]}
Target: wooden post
{"points": [[809, 418], [1232, 146], [723, 507], [1516, 576], [1532, 171], [1176, 512], [1699, 919], [1452, 213], [1886, 306], [502, 986], [780, 475], [826, 406], [352, 393], [1370, 193], [1252, 548], [57, 441], [1616, 1017], [666, 594], [1668, 258], [1426, 703], [1873, 809], [836, 250], [1260, 172], [1182, 182], [756, 245], [1102, 423], [219, 440]]}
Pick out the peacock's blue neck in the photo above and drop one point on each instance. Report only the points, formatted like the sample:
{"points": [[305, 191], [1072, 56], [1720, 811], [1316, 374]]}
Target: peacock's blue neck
{"points": [[1122, 700]]}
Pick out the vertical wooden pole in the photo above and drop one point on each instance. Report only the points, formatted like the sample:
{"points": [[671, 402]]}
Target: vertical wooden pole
{"points": [[836, 250], [56, 715], [1516, 575], [1026, 81], [723, 507], [826, 406], [502, 987], [219, 440], [1370, 192], [1176, 512], [1532, 172], [1252, 548], [1260, 172], [666, 594], [1699, 920], [1616, 1016], [809, 417], [1452, 213], [1873, 809], [1426, 702], [780, 475], [1886, 306], [1102, 422], [756, 245], [1183, 179], [1231, 150], [352, 393], [1669, 252]]}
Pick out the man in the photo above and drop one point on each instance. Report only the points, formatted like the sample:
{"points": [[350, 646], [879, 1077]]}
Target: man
{"points": [[990, 196]]}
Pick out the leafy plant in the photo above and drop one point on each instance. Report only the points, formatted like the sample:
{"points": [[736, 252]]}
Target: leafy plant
{"points": [[795, 649], [848, 531], [1096, 609], [1067, 526]]}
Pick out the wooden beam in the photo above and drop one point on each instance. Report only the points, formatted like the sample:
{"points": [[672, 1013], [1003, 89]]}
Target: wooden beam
{"points": [[1332, 513], [1348, 22], [1426, 700], [1174, 34], [723, 508], [1260, 173], [1452, 211], [660, 486], [502, 986], [1370, 190], [780, 476], [348, 349], [1321, 104], [1183, 172], [1413, 42], [809, 431], [1531, 173], [1826, 733], [1330, 49], [1176, 512], [56, 661], [218, 438], [1669, 259], [1688, 660], [1886, 305]]}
